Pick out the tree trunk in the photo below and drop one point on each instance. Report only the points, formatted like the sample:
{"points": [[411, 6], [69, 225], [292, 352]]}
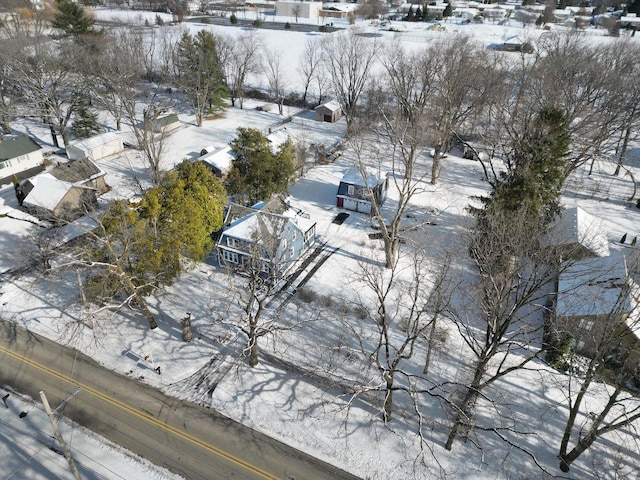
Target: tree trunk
{"points": [[253, 344], [623, 150], [430, 343], [187, 334], [388, 398], [390, 252], [582, 445], [435, 168], [54, 137], [138, 298], [464, 414]]}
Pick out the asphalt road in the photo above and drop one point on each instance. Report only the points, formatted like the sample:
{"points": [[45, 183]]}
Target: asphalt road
{"points": [[192, 441]]}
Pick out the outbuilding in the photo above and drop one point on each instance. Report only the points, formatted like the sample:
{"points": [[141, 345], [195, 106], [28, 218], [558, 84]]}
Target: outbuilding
{"points": [[357, 190], [328, 112], [97, 147]]}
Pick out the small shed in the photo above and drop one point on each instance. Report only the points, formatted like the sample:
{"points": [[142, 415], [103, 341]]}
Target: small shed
{"points": [[328, 112], [358, 189], [96, 147], [219, 161], [166, 124], [18, 154]]}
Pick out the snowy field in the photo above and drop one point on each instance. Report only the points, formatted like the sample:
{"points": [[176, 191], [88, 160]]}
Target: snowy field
{"points": [[275, 398]]}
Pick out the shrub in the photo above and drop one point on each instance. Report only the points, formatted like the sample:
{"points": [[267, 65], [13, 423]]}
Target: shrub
{"points": [[323, 28], [233, 19], [287, 26]]}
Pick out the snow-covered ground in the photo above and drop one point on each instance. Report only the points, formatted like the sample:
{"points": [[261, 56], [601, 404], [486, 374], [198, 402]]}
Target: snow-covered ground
{"points": [[276, 398]]}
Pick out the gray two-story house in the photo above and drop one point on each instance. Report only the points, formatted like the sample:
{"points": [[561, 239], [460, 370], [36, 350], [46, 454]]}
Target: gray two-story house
{"points": [[268, 238]]}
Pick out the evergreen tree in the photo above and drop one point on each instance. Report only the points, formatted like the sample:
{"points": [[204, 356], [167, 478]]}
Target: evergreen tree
{"points": [[634, 7], [448, 11], [536, 171], [86, 123], [418, 16], [172, 223], [233, 19], [257, 171], [200, 73], [72, 19], [410, 14]]}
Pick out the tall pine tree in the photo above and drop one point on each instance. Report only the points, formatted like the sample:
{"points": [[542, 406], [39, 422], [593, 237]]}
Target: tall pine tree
{"points": [[72, 19], [200, 73]]}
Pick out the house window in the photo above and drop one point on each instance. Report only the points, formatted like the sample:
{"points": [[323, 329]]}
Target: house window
{"points": [[284, 244], [231, 257], [580, 346], [264, 267], [351, 190], [292, 252], [585, 324], [294, 235], [232, 242]]}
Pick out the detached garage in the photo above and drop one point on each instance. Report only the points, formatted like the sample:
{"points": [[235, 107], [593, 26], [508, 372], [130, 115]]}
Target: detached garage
{"points": [[355, 193], [96, 148], [328, 112]]}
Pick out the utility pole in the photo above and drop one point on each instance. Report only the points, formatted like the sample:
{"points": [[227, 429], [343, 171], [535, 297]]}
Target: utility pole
{"points": [[54, 424]]}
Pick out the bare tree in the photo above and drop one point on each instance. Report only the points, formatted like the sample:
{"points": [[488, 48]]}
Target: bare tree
{"points": [[256, 285], [274, 70], [47, 82], [348, 59], [241, 60], [394, 304], [611, 354], [510, 290], [309, 66]]}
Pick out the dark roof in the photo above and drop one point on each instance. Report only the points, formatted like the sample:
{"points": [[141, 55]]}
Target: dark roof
{"points": [[167, 120], [76, 171], [16, 146]]}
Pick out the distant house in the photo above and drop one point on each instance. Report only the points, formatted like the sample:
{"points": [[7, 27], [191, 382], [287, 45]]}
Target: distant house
{"points": [[285, 8], [328, 112], [355, 192], [96, 147], [576, 234], [19, 154], [597, 299], [268, 237], [218, 160], [65, 193]]}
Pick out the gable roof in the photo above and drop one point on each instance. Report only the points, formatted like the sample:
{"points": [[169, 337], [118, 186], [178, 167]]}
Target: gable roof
{"points": [[576, 226], [220, 159], [332, 105], [77, 171], [16, 146], [355, 177], [90, 143], [47, 191], [167, 120], [594, 286]]}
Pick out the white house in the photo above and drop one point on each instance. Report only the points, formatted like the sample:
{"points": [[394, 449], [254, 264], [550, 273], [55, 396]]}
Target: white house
{"points": [[286, 8], [97, 147], [18, 154]]}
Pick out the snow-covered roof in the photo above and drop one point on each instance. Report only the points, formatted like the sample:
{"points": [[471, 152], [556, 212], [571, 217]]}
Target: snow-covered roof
{"points": [[16, 146], [332, 105], [355, 177], [594, 286], [340, 7], [47, 191], [576, 226], [278, 137], [221, 159], [89, 144]]}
